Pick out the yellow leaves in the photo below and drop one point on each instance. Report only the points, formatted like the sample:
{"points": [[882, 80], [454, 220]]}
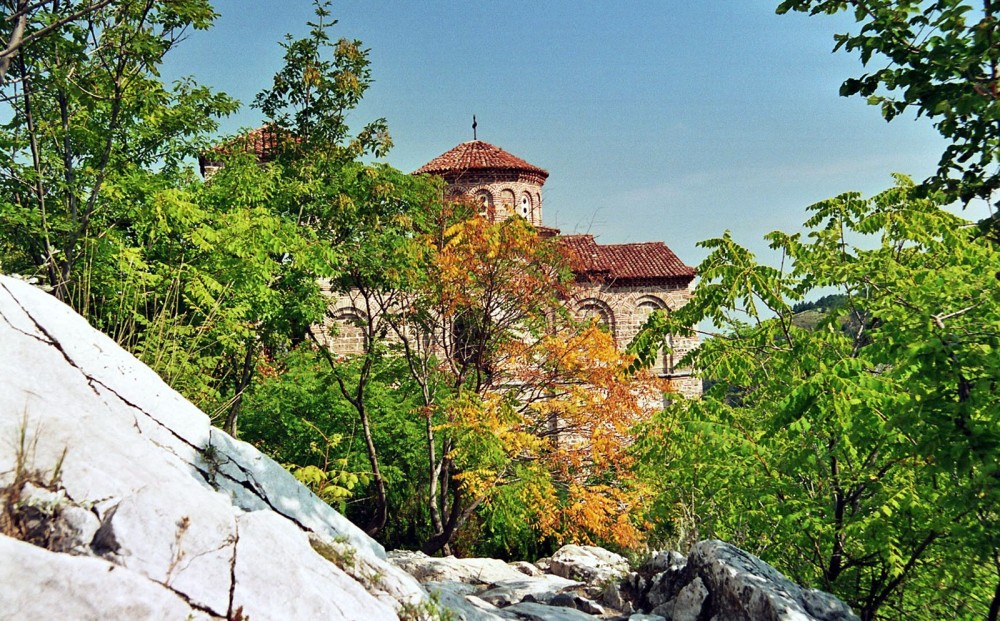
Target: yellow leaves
{"points": [[596, 514]]}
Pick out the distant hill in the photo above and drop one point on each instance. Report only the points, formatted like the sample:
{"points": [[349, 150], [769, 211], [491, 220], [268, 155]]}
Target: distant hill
{"points": [[809, 314]]}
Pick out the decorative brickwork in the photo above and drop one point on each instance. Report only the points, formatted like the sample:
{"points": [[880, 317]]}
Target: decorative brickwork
{"points": [[505, 184]]}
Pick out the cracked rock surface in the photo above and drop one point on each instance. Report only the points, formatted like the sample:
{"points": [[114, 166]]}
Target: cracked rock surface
{"points": [[154, 514]]}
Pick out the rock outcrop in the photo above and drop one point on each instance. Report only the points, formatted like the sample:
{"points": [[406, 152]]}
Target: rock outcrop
{"points": [[715, 582], [139, 509]]}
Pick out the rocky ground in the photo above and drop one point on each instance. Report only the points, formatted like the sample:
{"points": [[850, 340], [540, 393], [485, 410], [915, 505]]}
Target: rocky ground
{"points": [[119, 500], [715, 582]]}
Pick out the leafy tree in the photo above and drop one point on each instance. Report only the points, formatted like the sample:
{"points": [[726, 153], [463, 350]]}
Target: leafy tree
{"points": [[90, 122], [862, 460], [526, 412], [296, 415], [940, 59]]}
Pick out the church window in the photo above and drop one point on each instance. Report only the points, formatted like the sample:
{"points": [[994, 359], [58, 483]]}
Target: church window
{"points": [[599, 311], [663, 363], [525, 207]]}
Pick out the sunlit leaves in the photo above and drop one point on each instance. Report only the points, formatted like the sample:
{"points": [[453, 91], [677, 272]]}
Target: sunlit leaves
{"points": [[861, 453]]}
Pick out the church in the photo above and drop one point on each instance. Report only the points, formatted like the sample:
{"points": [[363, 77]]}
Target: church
{"points": [[620, 285]]}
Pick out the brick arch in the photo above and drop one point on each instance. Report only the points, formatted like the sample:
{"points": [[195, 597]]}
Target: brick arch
{"points": [[350, 337], [485, 202], [652, 302], [644, 307], [507, 201], [595, 308]]}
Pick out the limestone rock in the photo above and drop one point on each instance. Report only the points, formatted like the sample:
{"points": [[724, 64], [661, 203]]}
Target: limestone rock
{"points": [[526, 568], [588, 564], [662, 560], [539, 589], [530, 611], [39, 584], [450, 569], [687, 605], [744, 588], [170, 494]]}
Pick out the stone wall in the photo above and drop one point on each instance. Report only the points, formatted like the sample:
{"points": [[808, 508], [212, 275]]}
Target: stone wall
{"points": [[625, 308], [504, 194]]}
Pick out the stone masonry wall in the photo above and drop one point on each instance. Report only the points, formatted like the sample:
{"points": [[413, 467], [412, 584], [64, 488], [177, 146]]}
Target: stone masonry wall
{"points": [[505, 194], [625, 308]]}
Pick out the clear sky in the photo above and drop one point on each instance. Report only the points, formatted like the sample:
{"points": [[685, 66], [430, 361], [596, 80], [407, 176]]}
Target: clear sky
{"points": [[657, 119]]}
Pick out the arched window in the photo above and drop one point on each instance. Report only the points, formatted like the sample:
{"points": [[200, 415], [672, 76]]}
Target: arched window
{"points": [[598, 310], [524, 207], [349, 323], [663, 364], [506, 202]]}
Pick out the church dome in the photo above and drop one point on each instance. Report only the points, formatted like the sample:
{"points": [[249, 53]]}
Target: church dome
{"points": [[477, 156]]}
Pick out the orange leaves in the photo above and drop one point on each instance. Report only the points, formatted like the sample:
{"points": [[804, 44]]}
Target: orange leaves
{"points": [[561, 428], [503, 263]]}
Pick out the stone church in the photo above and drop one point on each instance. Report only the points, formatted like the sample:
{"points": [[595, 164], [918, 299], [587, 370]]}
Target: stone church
{"points": [[618, 284]]}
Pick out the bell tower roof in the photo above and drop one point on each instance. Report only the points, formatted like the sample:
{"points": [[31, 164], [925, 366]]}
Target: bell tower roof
{"points": [[479, 156]]}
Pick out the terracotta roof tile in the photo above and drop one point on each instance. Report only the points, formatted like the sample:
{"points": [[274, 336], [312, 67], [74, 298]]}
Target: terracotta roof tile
{"points": [[262, 142], [478, 155], [648, 262]]}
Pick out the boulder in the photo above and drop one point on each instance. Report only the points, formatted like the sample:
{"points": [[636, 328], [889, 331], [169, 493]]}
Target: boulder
{"points": [[531, 611], [588, 564], [450, 569], [167, 517], [741, 587], [539, 589]]}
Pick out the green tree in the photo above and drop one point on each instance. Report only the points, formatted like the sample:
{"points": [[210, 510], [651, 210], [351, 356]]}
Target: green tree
{"points": [[859, 456], [940, 59], [90, 119]]}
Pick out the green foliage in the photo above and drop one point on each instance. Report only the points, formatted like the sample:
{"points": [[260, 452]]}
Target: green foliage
{"points": [[858, 456], [940, 59], [297, 416]]}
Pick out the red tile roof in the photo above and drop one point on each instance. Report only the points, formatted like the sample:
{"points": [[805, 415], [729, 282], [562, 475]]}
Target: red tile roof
{"points": [[644, 263], [478, 155], [263, 142]]}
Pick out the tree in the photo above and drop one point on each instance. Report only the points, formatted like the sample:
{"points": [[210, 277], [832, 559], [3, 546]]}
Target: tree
{"points": [[21, 13], [527, 412], [941, 59], [859, 455], [90, 121]]}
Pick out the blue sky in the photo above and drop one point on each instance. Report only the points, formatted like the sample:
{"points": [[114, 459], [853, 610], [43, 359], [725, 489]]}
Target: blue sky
{"points": [[657, 120]]}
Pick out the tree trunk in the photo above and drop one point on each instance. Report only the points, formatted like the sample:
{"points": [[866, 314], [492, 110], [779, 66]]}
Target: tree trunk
{"points": [[378, 519], [242, 383]]}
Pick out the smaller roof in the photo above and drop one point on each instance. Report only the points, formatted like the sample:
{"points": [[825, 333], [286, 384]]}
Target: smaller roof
{"points": [[648, 262], [264, 142], [478, 155]]}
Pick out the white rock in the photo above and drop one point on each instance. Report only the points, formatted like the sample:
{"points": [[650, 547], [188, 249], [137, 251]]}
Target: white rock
{"points": [[279, 576], [450, 569], [196, 541], [255, 481], [39, 584], [589, 564], [133, 443], [507, 592]]}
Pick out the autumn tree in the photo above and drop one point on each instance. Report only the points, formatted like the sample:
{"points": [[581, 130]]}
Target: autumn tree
{"points": [[523, 407]]}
